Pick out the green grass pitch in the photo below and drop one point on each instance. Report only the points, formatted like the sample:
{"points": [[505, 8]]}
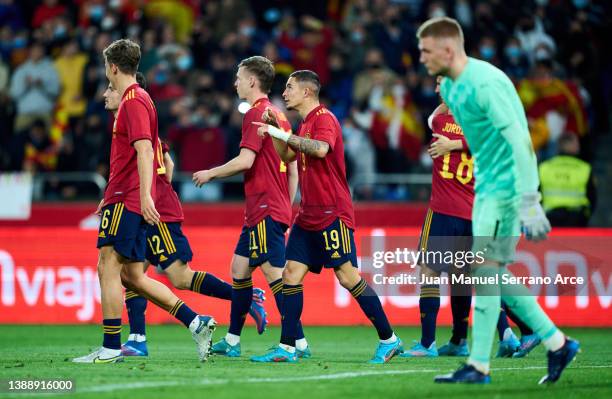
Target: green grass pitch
{"points": [[337, 369]]}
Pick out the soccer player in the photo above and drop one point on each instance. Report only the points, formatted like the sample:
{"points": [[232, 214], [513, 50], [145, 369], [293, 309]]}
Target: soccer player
{"points": [[322, 235], [169, 249], [449, 215], [269, 186], [485, 103], [128, 208]]}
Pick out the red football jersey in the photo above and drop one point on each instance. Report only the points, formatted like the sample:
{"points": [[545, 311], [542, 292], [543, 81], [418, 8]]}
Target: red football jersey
{"points": [[167, 201], [266, 189], [323, 185], [452, 178], [136, 120]]}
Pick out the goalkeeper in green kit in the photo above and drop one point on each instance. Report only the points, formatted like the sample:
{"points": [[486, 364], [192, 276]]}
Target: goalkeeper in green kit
{"points": [[485, 104]]}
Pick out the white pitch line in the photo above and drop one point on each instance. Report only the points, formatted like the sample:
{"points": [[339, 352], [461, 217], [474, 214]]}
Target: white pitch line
{"points": [[259, 380], [316, 377]]}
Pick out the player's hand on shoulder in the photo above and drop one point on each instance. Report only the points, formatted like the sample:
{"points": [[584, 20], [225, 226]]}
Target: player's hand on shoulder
{"points": [[149, 213], [442, 146], [202, 177], [269, 117], [99, 208]]}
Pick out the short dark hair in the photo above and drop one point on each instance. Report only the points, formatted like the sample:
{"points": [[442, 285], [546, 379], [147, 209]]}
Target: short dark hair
{"points": [[308, 76], [141, 80], [125, 54], [262, 68], [440, 27]]}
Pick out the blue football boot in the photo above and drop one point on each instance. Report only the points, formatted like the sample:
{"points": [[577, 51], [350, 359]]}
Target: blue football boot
{"points": [[225, 349], [276, 355], [133, 348], [508, 346], [385, 352], [418, 350], [466, 374], [528, 342], [559, 359], [451, 349], [305, 354], [257, 311]]}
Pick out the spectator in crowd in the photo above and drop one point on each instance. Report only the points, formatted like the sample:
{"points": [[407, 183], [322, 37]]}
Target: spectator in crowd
{"points": [[364, 49], [47, 11], [361, 157], [375, 74], [567, 185], [34, 88], [200, 146], [38, 152], [552, 105], [515, 62], [70, 66], [310, 46]]}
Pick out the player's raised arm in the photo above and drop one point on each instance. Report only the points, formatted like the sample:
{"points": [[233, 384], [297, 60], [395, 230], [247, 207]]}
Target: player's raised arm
{"points": [[144, 152], [312, 147], [282, 149]]}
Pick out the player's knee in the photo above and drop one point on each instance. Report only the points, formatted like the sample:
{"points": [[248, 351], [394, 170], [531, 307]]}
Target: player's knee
{"points": [[291, 276], [180, 277], [125, 281], [348, 279], [240, 269], [271, 273]]}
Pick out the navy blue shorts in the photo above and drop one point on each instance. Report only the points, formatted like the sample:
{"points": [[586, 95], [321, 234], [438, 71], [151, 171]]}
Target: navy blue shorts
{"points": [[264, 242], [330, 248], [443, 233], [167, 243], [125, 231]]}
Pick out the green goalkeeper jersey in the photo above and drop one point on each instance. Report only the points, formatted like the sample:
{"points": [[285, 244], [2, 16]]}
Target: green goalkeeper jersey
{"points": [[486, 105]]}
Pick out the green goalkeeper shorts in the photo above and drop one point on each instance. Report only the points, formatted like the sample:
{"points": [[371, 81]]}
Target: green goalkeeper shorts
{"points": [[496, 228]]}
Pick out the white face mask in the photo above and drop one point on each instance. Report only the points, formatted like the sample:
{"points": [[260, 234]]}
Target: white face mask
{"points": [[542, 54], [437, 13], [108, 23]]}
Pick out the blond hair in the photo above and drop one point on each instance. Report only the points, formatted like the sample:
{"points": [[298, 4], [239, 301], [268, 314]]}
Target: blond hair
{"points": [[441, 27]]}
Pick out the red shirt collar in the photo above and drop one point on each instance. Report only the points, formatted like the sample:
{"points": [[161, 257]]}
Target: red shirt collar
{"points": [[259, 101], [313, 112], [130, 87]]}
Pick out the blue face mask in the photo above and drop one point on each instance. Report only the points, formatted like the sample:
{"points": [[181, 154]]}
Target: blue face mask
{"points": [[356, 36], [580, 4], [487, 52], [161, 77], [184, 62], [19, 42], [60, 31], [96, 12], [513, 52]]}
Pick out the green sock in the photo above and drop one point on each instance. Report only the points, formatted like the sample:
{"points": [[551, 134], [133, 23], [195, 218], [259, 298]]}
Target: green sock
{"points": [[524, 305], [486, 312]]}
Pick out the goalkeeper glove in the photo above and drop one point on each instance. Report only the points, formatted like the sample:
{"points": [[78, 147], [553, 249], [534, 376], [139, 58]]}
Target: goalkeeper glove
{"points": [[534, 223]]}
